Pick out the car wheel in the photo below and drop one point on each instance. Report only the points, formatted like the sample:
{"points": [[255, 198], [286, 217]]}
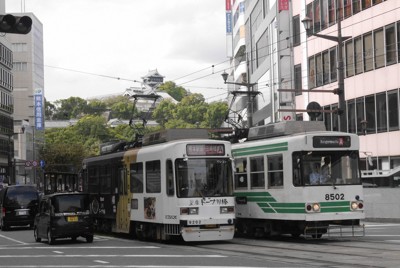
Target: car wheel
{"points": [[35, 233], [73, 238], [4, 226], [89, 238], [50, 238]]}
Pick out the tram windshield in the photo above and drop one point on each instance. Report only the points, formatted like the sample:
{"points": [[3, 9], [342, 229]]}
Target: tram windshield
{"points": [[325, 168], [203, 177]]}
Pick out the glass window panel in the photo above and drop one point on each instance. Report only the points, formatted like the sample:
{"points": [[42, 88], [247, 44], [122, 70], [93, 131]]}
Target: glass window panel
{"points": [[393, 103], [326, 65], [240, 173], [324, 14], [136, 178], [257, 172], [360, 114], [335, 121], [349, 59], [356, 6], [311, 76], [370, 113], [332, 11], [366, 3], [298, 84], [368, 52], [153, 177], [351, 116], [379, 49], [333, 62], [358, 56], [327, 119], [296, 31], [381, 112], [275, 170], [390, 40], [318, 61], [347, 8], [317, 16]]}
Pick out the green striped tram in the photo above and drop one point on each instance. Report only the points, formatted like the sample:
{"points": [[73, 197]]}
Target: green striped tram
{"points": [[297, 178]]}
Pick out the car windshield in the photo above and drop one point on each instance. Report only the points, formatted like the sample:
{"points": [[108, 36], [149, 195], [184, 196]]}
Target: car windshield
{"points": [[71, 203], [204, 177], [325, 168], [21, 196]]}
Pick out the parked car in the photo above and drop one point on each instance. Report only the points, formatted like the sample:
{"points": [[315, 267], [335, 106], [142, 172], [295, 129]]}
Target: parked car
{"points": [[63, 215], [18, 204]]}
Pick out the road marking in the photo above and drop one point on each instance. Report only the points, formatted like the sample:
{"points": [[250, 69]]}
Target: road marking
{"points": [[99, 261], [58, 252], [14, 240], [61, 247], [112, 256], [122, 266]]}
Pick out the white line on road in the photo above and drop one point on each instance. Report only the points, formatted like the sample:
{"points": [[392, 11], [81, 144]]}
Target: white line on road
{"points": [[14, 240], [99, 261], [111, 256]]}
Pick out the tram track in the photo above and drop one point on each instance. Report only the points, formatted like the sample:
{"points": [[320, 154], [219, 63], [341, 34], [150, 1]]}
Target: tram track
{"points": [[314, 253]]}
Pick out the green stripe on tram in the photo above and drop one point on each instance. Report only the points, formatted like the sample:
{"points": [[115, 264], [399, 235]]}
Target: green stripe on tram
{"points": [[277, 147], [269, 204]]}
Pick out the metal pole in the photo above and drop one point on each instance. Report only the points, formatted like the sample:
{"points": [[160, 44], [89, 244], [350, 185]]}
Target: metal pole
{"points": [[249, 107], [342, 101], [10, 172]]}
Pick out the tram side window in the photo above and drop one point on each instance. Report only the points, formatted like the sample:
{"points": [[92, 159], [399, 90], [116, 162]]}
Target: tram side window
{"points": [[105, 180], [170, 178], [93, 179], [257, 178], [137, 178], [153, 177], [275, 170], [240, 173]]}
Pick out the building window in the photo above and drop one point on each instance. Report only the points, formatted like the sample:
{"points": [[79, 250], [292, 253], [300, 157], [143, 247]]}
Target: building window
{"points": [[370, 114], [311, 80], [324, 15], [333, 64], [368, 52], [296, 31], [381, 112], [317, 16], [366, 4], [20, 66], [298, 83], [319, 71], [325, 67], [390, 41], [356, 6], [358, 55], [349, 58], [351, 116], [332, 11], [360, 114], [379, 48], [393, 107], [347, 8]]}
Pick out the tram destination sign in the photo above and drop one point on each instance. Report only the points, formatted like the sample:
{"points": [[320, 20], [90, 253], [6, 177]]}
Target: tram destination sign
{"points": [[331, 141], [205, 149]]}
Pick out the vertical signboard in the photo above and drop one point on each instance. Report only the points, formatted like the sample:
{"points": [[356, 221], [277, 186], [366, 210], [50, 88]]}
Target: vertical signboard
{"points": [[228, 10], [39, 108], [283, 5]]}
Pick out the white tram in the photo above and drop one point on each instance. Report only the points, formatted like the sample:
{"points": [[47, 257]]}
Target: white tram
{"points": [[282, 185], [179, 184]]}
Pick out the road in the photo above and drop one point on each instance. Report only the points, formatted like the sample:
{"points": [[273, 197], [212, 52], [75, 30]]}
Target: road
{"points": [[380, 247]]}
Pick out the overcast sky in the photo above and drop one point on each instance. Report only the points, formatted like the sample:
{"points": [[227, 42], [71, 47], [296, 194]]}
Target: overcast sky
{"points": [[125, 39]]}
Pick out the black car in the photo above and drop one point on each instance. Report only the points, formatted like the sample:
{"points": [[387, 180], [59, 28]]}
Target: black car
{"points": [[18, 204], [64, 215]]}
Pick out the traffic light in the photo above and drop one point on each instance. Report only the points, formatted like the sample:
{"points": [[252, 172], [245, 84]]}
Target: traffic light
{"points": [[16, 25]]}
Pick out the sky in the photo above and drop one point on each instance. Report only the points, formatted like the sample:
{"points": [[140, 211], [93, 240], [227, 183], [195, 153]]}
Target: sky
{"points": [[99, 47]]}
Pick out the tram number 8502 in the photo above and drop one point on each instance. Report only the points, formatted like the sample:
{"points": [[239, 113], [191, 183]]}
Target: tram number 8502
{"points": [[334, 197]]}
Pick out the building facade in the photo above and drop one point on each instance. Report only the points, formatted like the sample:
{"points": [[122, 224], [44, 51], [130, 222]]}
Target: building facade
{"points": [[280, 54]]}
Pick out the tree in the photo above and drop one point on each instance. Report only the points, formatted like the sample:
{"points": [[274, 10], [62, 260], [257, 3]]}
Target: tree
{"points": [[73, 107], [216, 114], [49, 110], [95, 107], [173, 90], [121, 107], [164, 112]]}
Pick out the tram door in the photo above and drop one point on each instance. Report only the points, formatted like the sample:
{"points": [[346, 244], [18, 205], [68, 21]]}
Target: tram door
{"points": [[123, 203]]}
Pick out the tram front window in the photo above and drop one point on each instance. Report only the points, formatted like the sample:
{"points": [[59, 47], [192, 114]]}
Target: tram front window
{"points": [[325, 168], [203, 177]]}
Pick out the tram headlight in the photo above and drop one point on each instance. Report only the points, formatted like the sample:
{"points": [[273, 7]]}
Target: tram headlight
{"points": [[227, 210], [313, 207], [190, 211], [355, 205]]}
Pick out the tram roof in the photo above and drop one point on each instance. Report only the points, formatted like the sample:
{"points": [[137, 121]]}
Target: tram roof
{"points": [[174, 134], [284, 128]]}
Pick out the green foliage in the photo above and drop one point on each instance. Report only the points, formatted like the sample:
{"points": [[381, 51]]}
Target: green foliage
{"points": [[174, 91], [65, 148]]}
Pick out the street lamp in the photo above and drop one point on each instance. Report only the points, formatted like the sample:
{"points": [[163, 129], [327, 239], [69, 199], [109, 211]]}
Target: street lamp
{"points": [[250, 93], [11, 171], [340, 91]]}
